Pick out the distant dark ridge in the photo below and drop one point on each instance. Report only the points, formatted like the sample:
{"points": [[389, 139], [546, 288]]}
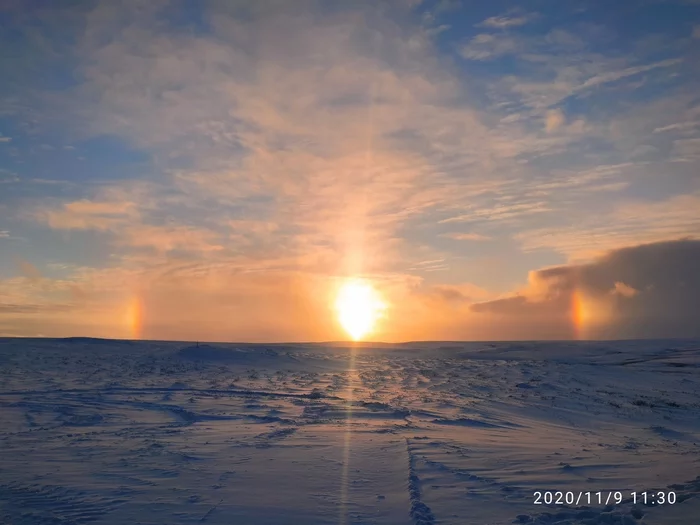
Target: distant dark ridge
{"points": [[356, 344], [95, 340], [204, 352]]}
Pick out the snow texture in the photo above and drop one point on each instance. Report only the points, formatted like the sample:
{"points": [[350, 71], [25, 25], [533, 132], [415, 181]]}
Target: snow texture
{"points": [[127, 432]]}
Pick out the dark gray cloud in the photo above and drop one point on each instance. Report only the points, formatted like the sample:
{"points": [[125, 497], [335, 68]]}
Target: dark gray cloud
{"points": [[450, 293], [650, 290]]}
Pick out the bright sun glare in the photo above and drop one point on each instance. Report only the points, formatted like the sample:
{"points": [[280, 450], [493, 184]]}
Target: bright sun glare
{"points": [[359, 307]]}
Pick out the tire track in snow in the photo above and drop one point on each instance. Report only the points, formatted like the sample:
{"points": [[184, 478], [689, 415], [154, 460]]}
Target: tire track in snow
{"points": [[420, 512]]}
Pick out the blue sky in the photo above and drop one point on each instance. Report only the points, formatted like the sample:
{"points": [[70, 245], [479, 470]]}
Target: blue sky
{"points": [[239, 159]]}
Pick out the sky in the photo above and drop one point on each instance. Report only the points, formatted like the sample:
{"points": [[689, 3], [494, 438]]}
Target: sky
{"points": [[216, 170]]}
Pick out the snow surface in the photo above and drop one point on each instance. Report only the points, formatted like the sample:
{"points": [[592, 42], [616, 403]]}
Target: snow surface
{"points": [[121, 432]]}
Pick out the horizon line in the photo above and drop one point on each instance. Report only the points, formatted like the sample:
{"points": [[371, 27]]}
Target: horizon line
{"points": [[349, 342]]}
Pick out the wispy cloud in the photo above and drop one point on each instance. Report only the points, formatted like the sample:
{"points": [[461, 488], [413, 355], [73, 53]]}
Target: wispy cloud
{"points": [[686, 150], [624, 290], [679, 126], [89, 215], [614, 76], [166, 239], [466, 236], [554, 119], [499, 212], [486, 46], [631, 222], [511, 19]]}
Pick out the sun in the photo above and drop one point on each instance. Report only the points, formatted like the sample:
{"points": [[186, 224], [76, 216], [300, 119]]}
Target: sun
{"points": [[358, 306]]}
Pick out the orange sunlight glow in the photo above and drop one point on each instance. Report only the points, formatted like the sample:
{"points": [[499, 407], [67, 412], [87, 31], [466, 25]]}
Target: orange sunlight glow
{"points": [[578, 313], [589, 313], [359, 307], [134, 317], [585, 312]]}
